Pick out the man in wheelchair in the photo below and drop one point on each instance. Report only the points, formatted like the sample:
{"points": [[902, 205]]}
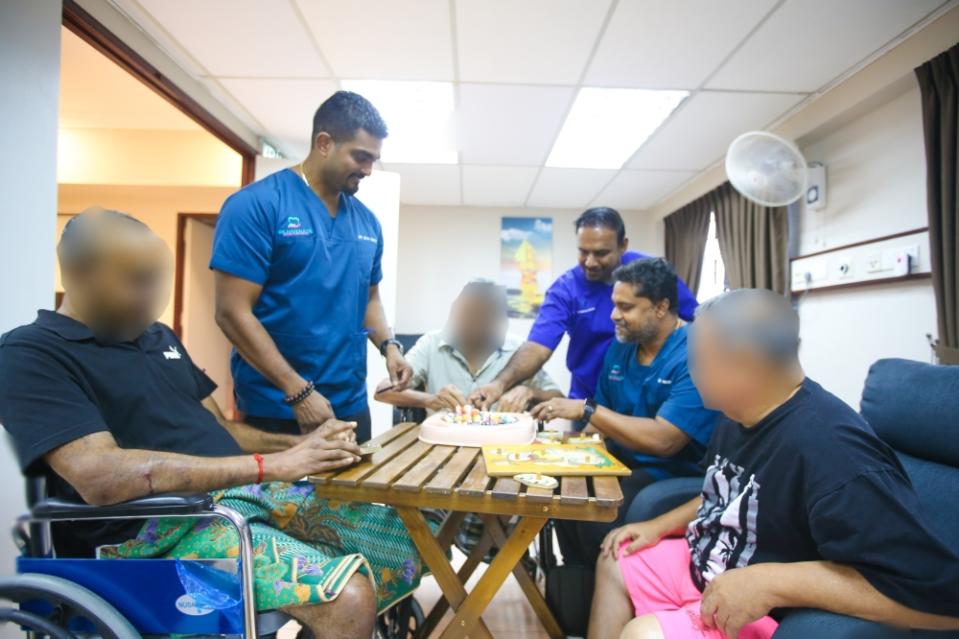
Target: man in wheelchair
{"points": [[108, 405]]}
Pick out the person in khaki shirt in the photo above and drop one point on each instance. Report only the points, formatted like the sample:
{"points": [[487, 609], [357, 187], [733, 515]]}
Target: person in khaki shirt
{"points": [[449, 363]]}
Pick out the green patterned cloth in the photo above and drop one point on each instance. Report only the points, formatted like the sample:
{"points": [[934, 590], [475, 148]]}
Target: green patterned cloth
{"points": [[305, 547]]}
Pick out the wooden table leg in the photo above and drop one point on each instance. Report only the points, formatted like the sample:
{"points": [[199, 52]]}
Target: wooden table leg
{"points": [[474, 559], [495, 530], [435, 558], [450, 526], [469, 610]]}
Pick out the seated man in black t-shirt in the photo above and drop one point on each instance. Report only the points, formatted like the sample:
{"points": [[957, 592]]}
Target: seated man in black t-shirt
{"points": [[803, 506], [109, 406]]}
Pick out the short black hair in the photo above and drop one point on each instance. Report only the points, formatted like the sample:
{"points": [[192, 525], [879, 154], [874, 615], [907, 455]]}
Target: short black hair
{"points": [[602, 216], [343, 114], [652, 278]]}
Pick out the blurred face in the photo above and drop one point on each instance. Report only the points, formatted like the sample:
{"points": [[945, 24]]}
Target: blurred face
{"points": [[126, 288], [637, 319], [347, 163], [723, 377], [476, 322], [599, 252]]}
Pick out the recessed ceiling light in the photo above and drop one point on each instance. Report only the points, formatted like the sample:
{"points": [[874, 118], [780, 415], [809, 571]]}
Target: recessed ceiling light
{"points": [[606, 126], [419, 116]]}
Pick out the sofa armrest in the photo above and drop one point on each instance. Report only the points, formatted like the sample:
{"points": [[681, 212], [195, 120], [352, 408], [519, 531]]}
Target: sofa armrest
{"points": [[662, 496], [164, 505], [806, 623]]}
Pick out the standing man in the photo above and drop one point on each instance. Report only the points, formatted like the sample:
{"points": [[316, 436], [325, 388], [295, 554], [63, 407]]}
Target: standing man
{"points": [[297, 262], [578, 303]]}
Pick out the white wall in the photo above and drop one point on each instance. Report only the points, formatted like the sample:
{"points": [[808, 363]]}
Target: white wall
{"points": [[443, 247], [29, 98], [876, 187]]}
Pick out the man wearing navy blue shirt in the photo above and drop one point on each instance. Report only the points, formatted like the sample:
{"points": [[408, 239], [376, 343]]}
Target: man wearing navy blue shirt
{"points": [[578, 304], [297, 261], [645, 404]]}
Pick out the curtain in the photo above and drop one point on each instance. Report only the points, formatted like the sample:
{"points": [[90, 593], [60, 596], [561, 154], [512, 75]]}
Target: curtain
{"points": [[938, 85], [752, 240], [686, 232]]}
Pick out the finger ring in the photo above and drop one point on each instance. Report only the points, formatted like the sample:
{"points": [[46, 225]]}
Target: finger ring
{"points": [[549, 409]]}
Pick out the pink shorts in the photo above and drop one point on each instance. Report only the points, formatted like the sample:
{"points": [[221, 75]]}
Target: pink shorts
{"points": [[658, 582]]}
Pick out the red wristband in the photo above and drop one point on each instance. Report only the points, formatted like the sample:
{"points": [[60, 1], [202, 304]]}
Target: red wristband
{"points": [[259, 467]]}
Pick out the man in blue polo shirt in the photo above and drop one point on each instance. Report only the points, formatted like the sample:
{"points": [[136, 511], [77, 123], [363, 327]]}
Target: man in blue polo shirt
{"points": [[578, 304], [645, 404], [297, 261]]}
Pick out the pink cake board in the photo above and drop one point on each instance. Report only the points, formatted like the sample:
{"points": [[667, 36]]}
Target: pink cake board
{"points": [[435, 430]]}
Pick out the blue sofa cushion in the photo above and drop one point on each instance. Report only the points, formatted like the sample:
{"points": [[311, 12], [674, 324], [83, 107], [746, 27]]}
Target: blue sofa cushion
{"points": [[914, 407]]}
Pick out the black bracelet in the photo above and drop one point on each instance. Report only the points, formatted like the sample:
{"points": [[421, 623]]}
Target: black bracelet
{"points": [[293, 400]]}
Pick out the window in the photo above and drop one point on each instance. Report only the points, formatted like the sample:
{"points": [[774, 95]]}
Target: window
{"points": [[712, 281]]}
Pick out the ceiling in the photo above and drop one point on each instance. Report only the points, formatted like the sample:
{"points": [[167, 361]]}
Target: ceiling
{"points": [[95, 93], [516, 66]]}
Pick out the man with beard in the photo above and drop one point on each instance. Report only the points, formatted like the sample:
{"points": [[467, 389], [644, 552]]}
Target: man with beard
{"points": [[578, 304], [645, 404], [297, 261]]}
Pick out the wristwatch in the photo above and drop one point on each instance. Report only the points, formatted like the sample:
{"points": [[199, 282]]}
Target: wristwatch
{"points": [[589, 407], [385, 343]]}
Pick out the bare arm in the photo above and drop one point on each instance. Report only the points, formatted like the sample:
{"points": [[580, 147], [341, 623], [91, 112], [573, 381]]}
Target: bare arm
{"points": [[401, 374], [103, 473], [251, 440], [525, 362], [648, 533]]}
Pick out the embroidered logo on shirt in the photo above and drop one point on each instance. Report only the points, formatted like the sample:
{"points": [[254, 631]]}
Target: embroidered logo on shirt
{"points": [[663, 381], [615, 373], [368, 238], [294, 228], [172, 353], [586, 310]]}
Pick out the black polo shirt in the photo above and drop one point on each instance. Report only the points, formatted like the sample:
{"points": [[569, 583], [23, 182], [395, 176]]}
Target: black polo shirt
{"points": [[58, 383]]}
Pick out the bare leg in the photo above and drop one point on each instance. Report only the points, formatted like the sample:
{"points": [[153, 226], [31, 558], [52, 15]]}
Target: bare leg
{"points": [[612, 608], [352, 615], [645, 627]]}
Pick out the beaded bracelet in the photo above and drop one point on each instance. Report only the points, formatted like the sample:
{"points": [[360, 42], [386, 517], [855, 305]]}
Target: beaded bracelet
{"points": [[293, 400]]}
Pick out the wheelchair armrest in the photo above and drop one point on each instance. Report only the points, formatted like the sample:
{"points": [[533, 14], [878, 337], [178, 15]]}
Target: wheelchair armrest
{"points": [[165, 505]]}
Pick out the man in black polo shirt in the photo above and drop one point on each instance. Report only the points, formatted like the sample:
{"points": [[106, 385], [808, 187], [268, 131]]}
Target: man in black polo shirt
{"points": [[109, 406]]}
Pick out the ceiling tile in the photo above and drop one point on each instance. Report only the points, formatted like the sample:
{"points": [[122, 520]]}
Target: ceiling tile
{"points": [[568, 188], [497, 185], [807, 43], [245, 38], [671, 45], [428, 183], [383, 39], [700, 131], [640, 189], [534, 41], [284, 107], [509, 124]]}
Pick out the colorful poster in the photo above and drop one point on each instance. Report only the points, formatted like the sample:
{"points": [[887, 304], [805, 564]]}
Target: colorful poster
{"points": [[526, 262]]}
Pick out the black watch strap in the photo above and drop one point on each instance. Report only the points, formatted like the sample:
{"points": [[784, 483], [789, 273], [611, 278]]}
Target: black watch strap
{"points": [[385, 343], [589, 407]]}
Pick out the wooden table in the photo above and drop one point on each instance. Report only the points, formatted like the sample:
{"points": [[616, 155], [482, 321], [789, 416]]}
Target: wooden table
{"points": [[411, 475]]}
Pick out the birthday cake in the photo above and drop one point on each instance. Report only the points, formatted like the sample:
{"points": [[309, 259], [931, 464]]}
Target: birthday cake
{"points": [[469, 426]]}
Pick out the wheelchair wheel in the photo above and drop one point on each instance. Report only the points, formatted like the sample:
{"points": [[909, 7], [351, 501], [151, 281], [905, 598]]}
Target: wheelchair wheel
{"points": [[68, 601], [400, 621]]}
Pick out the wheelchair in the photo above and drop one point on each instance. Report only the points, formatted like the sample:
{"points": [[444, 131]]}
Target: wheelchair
{"points": [[65, 598]]}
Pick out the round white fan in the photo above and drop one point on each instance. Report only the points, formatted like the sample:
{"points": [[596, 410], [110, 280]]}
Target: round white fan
{"points": [[766, 168]]}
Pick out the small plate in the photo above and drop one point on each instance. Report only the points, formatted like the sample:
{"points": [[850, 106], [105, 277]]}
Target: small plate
{"points": [[536, 480], [369, 449]]}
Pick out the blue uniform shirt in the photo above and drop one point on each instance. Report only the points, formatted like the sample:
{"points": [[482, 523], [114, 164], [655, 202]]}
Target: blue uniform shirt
{"points": [[581, 308], [663, 389], [316, 271]]}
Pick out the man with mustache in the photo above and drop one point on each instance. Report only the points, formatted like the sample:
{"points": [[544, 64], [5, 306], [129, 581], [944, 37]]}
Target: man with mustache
{"points": [[297, 261]]}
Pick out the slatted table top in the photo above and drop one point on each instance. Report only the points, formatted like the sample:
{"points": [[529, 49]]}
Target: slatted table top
{"points": [[408, 472]]}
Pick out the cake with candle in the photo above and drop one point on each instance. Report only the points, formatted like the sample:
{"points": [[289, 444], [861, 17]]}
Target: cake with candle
{"points": [[469, 426]]}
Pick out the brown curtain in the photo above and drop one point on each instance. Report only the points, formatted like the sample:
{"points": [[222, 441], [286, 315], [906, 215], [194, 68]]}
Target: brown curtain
{"points": [[752, 240], [939, 85], [686, 231]]}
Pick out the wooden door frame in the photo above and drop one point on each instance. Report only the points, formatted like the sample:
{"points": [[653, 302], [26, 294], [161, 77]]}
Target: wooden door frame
{"points": [[94, 33], [178, 274]]}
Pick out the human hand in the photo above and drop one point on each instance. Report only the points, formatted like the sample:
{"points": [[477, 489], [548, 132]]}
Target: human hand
{"points": [[324, 449], [400, 372], [559, 408], [642, 535], [515, 400], [312, 411], [485, 396], [448, 398], [331, 429], [737, 598]]}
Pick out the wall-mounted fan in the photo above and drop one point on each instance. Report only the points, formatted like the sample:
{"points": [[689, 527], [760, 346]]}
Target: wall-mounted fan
{"points": [[770, 170]]}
